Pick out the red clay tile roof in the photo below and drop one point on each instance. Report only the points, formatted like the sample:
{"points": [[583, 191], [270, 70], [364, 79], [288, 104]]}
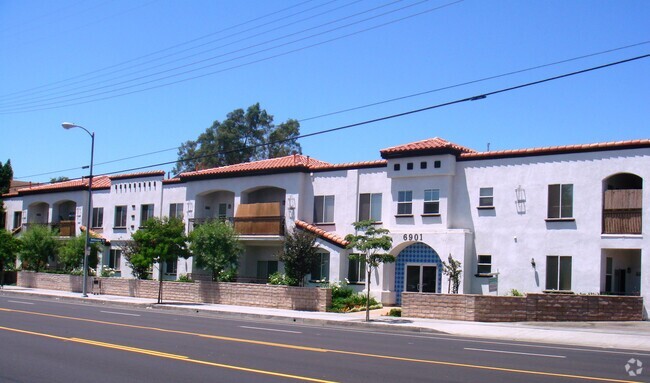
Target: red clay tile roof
{"points": [[99, 182], [138, 175], [434, 145], [614, 145], [351, 165], [172, 181], [296, 161], [330, 237]]}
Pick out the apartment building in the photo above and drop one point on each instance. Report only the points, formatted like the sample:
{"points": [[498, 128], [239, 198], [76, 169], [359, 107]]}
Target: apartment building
{"points": [[557, 219]]}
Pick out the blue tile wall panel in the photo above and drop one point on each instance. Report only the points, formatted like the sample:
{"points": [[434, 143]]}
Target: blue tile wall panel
{"points": [[415, 253]]}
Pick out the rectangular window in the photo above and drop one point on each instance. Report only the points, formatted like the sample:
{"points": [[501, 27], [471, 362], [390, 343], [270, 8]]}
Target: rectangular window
{"points": [[98, 218], [370, 207], [320, 271], [423, 165], [484, 265], [176, 210], [324, 208], [18, 219], [396, 167], [146, 212], [171, 267], [356, 271], [431, 201], [486, 197], [222, 212], [120, 217], [560, 201], [3, 219], [266, 268], [404, 202], [558, 272], [609, 271], [409, 166], [114, 259]]}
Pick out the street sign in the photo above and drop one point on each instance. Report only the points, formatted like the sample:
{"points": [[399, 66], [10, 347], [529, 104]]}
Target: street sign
{"points": [[493, 284], [98, 240]]}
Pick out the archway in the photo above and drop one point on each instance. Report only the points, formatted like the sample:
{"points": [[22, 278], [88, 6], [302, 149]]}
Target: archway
{"points": [[622, 204], [417, 268]]}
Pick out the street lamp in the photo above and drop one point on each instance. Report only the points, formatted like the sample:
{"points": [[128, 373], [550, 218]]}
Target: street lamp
{"points": [[68, 125]]}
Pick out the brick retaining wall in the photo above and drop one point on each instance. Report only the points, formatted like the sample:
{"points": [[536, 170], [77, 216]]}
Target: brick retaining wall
{"points": [[239, 294], [533, 307]]}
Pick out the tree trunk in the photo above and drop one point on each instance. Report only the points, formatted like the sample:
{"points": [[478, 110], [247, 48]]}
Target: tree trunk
{"points": [[368, 294], [2, 274], [160, 282]]}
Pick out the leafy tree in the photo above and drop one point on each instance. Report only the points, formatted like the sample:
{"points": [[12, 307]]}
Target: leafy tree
{"points": [[59, 179], [9, 247], [242, 137], [452, 269], [38, 245], [6, 175], [298, 255], [371, 245], [215, 246], [71, 254], [160, 241], [138, 263]]}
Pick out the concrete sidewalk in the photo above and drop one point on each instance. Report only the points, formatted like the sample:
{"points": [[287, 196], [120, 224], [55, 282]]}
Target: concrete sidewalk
{"points": [[621, 335]]}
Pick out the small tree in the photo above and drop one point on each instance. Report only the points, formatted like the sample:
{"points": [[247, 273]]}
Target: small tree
{"points": [[9, 247], [159, 241], [71, 254], [371, 245], [215, 246], [38, 245], [452, 270], [298, 255], [139, 264]]}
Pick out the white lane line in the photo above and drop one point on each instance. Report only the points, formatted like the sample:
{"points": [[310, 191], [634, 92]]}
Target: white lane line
{"points": [[22, 303], [270, 329], [116, 313], [514, 352]]}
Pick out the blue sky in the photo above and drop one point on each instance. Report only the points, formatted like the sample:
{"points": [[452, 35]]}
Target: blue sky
{"points": [[349, 53]]}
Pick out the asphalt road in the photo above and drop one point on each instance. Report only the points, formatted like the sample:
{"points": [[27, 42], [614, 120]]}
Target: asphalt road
{"points": [[44, 340]]}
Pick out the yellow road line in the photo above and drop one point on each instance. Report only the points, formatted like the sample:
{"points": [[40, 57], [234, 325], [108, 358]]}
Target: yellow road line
{"points": [[315, 349], [165, 355]]}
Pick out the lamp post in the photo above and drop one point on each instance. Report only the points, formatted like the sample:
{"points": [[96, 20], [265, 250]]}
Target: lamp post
{"points": [[68, 125]]}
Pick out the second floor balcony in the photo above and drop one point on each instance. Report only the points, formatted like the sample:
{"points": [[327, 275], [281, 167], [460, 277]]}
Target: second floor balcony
{"points": [[252, 219]]}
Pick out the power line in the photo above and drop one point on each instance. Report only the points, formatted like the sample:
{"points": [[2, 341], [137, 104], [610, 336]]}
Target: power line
{"points": [[159, 51], [380, 102], [46, 105], [393, 116]]}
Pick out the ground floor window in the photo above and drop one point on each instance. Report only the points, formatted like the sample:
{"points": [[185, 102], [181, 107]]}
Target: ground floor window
{"points": [[114, 259], [171, 267], [558, 272], [321, 269], [266, 268], [356, 271], [484, 265]]}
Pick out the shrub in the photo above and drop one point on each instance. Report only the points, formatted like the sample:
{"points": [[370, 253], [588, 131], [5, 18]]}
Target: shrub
{"points": [[344, 299], [395, 312], [281, 279], [515, 293], [108, 272], [184, 278]]}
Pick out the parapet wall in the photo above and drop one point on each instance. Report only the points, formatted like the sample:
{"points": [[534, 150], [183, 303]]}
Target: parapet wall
{"points": [[533, 307], [239, 294]]}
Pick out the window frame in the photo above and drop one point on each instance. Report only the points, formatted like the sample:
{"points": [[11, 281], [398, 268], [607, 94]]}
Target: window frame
{"points": [[481, 265], [325, 213], [485, 200], [114, 255], [358, 266], [175, 207], [149, 212], [430, 202], [97, 221], [558, 269], [17, 219], [121, 224], [405, 203], [323, 267], [374, 199], [559, 205]]}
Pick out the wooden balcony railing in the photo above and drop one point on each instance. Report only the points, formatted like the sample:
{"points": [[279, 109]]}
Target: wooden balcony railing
{"points": [[248, 225], [622, 221], [65, 228]]}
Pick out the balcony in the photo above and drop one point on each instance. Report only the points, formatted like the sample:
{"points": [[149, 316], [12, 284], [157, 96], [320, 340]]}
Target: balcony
{"points": [[622, 221], [65, 228], [252, 219], [622, 211]]}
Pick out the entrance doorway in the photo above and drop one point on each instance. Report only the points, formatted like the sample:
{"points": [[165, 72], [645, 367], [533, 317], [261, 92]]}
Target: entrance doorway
{"points": [[420, 278]]}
